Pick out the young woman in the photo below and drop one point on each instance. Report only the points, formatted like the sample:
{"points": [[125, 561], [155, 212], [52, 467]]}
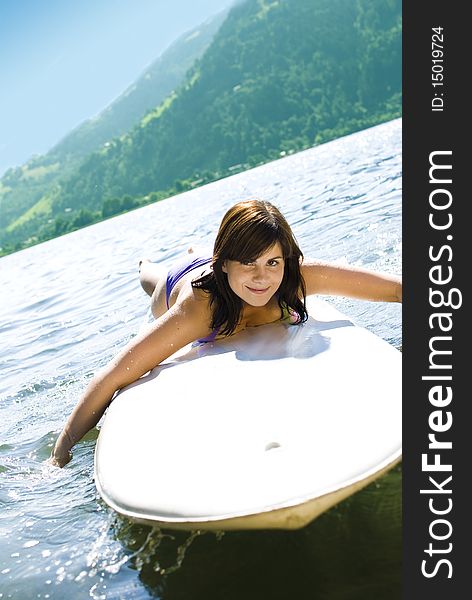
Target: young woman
{"points": [[257, 275]]}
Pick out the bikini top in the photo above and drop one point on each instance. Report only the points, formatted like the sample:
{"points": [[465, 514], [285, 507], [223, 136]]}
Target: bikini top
{"points": [[288, 315]]}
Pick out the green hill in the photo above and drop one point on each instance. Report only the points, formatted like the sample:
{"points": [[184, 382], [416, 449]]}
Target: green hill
{"points": [[154, 85], [26, 191], [278, 77]]}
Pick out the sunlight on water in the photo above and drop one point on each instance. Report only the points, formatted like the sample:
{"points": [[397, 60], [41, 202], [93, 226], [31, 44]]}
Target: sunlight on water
{"points": [[69, 304]]}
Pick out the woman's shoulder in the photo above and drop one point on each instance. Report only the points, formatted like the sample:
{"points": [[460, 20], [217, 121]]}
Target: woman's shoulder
{"points": [[187, 320], [312, 269], [323, 277], [194, 302]]}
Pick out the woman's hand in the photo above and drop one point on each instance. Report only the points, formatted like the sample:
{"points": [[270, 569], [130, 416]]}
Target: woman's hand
{"points": [[57, 460], [61, 453]]}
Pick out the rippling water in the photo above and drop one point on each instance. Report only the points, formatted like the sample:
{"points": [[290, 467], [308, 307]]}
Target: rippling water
{"points": [[69, 304]]}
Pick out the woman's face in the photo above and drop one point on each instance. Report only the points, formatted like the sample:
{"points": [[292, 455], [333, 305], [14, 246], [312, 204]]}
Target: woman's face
{"points": [[256, 282]]}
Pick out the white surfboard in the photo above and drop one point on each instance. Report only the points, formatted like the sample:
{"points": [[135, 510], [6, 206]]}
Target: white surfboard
{"points": [[265, 429]]}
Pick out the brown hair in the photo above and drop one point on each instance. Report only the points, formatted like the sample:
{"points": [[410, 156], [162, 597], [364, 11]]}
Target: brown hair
{"points": [[247, 230]]}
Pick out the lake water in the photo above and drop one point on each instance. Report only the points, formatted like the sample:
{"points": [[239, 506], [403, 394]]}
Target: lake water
{"points": [[69, 304]]}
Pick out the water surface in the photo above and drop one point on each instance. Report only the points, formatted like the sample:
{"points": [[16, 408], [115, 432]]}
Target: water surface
{"points": [[69, 304]]}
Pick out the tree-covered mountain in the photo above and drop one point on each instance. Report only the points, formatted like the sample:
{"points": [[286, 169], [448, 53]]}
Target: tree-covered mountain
{"points": [[278, 77], [149, 90], [21, 188]]}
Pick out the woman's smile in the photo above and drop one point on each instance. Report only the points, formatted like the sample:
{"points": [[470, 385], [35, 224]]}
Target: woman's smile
{"points": [[258, 290], [256, 281]]}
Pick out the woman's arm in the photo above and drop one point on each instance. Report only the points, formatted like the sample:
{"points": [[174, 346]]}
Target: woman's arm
{"points": [[339, 280], [182, 324]]}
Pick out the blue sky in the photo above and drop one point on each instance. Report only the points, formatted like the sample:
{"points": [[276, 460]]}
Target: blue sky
{"points": [[63, 61]]}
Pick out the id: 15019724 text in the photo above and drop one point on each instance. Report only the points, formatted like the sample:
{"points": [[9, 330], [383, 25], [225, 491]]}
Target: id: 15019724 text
{"points": [[437, 69]]}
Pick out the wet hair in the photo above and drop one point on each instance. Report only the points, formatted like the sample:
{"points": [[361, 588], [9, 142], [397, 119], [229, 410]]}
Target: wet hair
{"points": [[248, 229]]}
